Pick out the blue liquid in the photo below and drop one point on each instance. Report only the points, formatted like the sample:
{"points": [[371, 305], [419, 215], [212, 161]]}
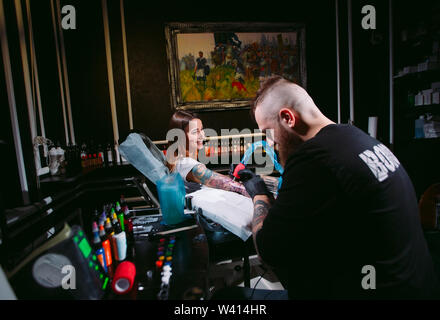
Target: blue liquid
{"points": [[419, 132], [171, 191]]}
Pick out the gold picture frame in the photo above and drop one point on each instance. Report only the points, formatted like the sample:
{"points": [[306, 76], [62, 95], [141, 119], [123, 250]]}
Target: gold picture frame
{"points": [[218, 66]]}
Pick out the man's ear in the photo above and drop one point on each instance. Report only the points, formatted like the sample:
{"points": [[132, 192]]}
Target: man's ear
{"points": [[287, 117]]}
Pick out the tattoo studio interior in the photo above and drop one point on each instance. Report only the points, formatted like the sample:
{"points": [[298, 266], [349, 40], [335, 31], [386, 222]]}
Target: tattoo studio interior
{"points": [[227, 152]]}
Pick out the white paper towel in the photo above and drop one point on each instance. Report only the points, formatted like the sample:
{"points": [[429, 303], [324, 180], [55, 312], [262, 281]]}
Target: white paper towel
{"points": [[229, 209]]}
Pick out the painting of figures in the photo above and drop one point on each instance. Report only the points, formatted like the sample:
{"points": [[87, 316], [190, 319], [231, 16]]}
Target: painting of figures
{"points": [[225, 68]]}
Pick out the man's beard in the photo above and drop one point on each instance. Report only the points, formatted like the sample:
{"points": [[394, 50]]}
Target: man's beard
{"points": [[288, 143]]}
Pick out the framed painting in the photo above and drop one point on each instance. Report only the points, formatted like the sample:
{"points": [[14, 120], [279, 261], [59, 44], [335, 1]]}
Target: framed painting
{"points": [[218, 66]]}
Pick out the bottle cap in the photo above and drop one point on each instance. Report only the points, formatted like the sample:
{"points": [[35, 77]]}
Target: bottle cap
{"points": [[96, 238]]}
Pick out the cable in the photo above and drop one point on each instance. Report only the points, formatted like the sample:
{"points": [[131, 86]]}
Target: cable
{"points": [[253, 291]]}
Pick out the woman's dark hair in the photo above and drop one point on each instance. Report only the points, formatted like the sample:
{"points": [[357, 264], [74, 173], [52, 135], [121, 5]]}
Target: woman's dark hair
{"points": [[181, 119]]}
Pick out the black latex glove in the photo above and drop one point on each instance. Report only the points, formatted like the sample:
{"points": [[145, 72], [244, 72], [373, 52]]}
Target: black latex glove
{"points": [[253, 183], [231, 170], [235, 167]]}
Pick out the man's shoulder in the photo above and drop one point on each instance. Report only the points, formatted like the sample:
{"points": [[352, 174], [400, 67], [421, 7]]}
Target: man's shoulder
{"points": [[337, 130], [335, 143], [328, 137], [351, 155], [339, 136]]}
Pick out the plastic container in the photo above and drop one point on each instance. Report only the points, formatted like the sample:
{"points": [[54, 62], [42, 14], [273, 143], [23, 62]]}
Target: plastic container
{"points": [[119, 246], [171, 191], [54, 164], [419, 124]]}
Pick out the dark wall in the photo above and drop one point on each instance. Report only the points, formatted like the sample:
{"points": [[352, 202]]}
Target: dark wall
{"points": [[148, 68], [11, 189], [150, 92], [371, 68], [48, 70], [148, 62], [87, 70]]}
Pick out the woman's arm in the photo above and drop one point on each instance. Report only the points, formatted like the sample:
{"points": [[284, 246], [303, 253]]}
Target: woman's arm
{"points": [[203, 175]]}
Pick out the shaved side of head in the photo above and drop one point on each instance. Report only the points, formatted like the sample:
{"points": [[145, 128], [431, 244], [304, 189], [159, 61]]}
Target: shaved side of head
{"points": [[287, 114], [277, 93]]}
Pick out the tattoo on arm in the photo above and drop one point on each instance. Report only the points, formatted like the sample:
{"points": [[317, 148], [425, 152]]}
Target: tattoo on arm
{"points": [[261, 209], [203, 175]]}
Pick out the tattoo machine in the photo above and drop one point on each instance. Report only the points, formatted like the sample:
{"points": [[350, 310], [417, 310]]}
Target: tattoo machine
{"points": [[269, 151]]}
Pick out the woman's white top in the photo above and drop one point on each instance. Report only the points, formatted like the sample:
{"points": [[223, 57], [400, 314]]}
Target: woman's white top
{"points": [[184, 166]]}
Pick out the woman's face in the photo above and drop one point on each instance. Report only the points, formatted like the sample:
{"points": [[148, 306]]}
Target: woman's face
{"points": [[195, 135]]}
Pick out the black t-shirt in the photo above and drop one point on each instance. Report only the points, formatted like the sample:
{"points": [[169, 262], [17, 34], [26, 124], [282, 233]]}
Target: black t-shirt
{"points": [[345, 219]]}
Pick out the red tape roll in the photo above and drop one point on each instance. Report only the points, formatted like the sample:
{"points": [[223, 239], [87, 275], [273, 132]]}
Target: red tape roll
{"points": [[124, 277]]}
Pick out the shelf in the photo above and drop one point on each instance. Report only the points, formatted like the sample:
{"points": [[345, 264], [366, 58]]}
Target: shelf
{"points": [[425, 140], [420, 110], [96, 171], [414, 40], [417, 75]]}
